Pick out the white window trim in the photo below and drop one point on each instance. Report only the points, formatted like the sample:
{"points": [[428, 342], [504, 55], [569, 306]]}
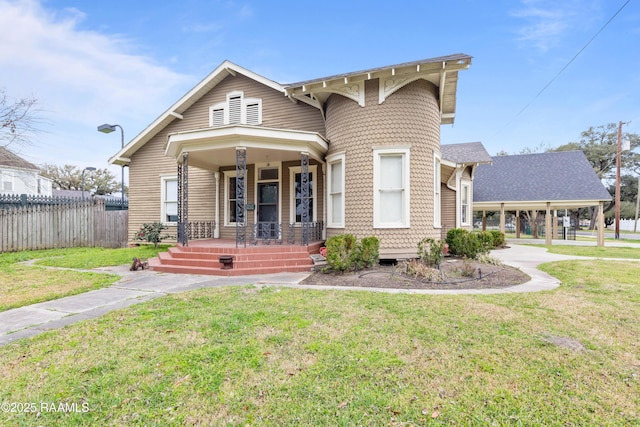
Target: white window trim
{"points": [[163, 198], [437, 190], [227, 214], [465, 184], [337, 158], [293, 170], [406, 161], [244, 102]]}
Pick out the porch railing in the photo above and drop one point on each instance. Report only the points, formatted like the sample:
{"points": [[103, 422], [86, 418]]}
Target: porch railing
{"points": [[273, 233], [200, 229]]}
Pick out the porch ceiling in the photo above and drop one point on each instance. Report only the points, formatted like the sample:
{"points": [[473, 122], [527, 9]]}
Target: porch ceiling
{"points": [[212, 148]]}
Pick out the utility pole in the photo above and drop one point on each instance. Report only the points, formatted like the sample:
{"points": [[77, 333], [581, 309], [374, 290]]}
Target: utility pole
{"points": [[618, 161], [635, 223]]}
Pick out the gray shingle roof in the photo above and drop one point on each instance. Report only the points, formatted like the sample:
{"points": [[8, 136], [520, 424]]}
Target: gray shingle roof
{"points": [[468, 152], [7, 158], [554, 176]]}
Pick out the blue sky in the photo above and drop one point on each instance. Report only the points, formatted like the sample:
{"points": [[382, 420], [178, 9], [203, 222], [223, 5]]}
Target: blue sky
{"points": [[125, 62]]}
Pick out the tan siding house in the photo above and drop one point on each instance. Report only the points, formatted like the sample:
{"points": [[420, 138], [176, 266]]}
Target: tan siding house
{"points": [[242, 157]]}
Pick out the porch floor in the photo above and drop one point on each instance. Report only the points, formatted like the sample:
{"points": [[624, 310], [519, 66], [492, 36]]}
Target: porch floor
{"points": [[203, 257]]}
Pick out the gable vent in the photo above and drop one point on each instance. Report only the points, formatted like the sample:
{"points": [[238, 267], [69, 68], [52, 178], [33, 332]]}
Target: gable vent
{"points": [[253, 114], [235, 110], [217, 117]]}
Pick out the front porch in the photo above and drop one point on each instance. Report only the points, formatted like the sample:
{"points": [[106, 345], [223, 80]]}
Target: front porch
{"points": [[265, 257]]}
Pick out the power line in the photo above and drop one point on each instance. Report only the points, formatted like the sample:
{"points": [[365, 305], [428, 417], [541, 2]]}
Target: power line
{"points": [[565, 67]]}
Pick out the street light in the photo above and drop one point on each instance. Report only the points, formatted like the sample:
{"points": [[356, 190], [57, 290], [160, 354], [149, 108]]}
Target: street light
{"points": [[106, 128], [88, 168]]}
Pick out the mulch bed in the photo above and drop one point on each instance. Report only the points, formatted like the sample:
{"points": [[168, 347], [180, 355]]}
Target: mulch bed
{"points": [[484, 276]]}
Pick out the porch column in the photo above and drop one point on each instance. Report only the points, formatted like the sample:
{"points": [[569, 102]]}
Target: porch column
{"points": [[183, 200], [241, 175], [555, 224], [600, 223], [484, 220], [517, 224], [502, 220], [324, 167], [547, 225], [216, 231], [304, 193]]}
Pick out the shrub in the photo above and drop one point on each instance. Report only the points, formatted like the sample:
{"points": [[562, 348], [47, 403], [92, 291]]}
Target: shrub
{"points": [[370, 251], [498, 238], [344, 252], [430, 251], [339, 252], [455, 238], [464, 244], [152, 233], [419, 270], [486, 240]]}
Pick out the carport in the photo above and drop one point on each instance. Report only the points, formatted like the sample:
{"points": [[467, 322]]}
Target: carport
{"points": [[544, 182]]}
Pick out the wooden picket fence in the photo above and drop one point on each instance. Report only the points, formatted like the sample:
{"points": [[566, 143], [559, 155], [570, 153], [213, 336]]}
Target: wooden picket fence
{"points": [[82, 223]]}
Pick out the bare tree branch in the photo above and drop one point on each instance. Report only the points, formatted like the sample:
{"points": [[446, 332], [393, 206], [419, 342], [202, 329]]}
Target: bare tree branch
{"points": [[18, 119]]}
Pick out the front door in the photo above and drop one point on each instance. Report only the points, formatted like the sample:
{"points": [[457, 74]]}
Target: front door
{"points": [[268, 210]]}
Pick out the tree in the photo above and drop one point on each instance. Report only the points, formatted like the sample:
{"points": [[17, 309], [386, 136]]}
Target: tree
{"points": [[600, 146], [18, 119], [69, 177]]}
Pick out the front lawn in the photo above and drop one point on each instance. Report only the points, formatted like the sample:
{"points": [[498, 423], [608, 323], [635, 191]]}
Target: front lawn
{"points": [[279, 356], [22, 285]]}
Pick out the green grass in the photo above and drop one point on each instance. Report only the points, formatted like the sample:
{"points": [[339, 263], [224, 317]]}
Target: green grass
{"points": [[278, 356], [594, 251], [22, 285]]}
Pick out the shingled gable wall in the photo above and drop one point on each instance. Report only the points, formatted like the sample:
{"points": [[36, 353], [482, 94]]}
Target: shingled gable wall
{"points": [[410, 117], [149, 163]]}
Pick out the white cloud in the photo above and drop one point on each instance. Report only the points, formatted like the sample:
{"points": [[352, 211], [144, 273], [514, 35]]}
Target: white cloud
{"points": [[81, 79], [548, 22]]}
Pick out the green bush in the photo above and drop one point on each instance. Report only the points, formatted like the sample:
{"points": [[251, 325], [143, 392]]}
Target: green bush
{"points": [[152, 233], [370, 251], [430, 251], [498, 238], [344, 252], [463, 243], [455, 240], [486, 240], [339, 251]]}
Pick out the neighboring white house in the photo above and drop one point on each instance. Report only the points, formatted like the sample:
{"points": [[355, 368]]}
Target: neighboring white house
{"points": [[18, 176]]}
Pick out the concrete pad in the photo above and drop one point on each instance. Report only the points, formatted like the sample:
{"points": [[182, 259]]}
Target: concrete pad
{"points": [[23, 317], [90, 300]]}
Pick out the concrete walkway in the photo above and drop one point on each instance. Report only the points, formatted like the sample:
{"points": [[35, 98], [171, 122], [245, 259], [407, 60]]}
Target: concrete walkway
{"points": [[140, 286]]}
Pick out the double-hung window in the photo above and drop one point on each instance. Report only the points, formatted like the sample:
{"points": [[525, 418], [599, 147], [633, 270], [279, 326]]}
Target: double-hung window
{"points": [[335, 201], [391, 188], [169, 200], [465, 213], [236, 110], [230, 197]]}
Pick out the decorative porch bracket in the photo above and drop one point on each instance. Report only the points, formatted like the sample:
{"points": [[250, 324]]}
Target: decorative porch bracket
{"points": [[304, 190], [241, 174], [183, 200]]}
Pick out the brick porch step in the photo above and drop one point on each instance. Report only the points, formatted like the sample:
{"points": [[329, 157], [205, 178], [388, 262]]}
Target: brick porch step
{"points": [[246, 261]]}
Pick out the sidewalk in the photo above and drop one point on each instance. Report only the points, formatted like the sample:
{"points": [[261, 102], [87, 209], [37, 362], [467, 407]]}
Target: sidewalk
{"points": [[139, 286], [134, 287]]}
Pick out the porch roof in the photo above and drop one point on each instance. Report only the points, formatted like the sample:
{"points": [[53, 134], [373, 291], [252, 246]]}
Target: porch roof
{"points": [[563, 179], [211, 148]]}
